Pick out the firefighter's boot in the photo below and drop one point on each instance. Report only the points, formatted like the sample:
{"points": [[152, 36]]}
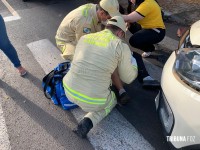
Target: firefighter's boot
{"points": [[83, 127]]}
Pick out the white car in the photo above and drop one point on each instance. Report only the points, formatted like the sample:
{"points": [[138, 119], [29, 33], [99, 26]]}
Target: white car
{"points": [[178, 102]]}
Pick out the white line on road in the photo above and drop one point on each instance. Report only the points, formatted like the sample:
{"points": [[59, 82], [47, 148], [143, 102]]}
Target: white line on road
{"points": [[4, 140], [114, 132], [12, 11], [11, 18]]}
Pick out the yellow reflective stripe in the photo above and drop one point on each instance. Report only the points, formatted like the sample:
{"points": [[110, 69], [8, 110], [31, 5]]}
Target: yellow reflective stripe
{"points": [[77, 98], [135, 67], [100, 39], [84, 98], [86, 10], [107, 109], [61, 45], [97, 43]]}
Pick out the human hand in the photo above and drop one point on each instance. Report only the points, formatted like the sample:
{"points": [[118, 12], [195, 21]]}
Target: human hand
{"points": [[127, 25]]}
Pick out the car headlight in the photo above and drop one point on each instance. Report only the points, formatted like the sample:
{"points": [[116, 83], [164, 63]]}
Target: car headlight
{"points": [[187, 66]]}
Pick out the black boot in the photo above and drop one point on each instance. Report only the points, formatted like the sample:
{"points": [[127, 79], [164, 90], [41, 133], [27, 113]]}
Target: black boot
{"points": [[124, 98], [83, 127]]}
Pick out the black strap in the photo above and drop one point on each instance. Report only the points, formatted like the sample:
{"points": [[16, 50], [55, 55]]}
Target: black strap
{"points": [[47, 80], [51, 78]]}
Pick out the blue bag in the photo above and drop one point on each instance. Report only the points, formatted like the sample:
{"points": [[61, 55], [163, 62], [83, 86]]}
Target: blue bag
{"points": [[53, 86]]}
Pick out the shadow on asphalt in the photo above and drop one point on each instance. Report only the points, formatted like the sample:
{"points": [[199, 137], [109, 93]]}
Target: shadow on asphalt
{"points": [[53, 126], [141, 113], [34, 80], [159, 57]]}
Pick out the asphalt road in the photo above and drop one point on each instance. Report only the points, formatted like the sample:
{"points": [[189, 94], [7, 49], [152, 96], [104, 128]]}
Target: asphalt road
{"points": [[33, 122]]}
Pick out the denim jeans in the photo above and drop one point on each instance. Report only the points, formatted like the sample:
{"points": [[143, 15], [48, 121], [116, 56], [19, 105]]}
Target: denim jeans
{"points": [[6, 46]]}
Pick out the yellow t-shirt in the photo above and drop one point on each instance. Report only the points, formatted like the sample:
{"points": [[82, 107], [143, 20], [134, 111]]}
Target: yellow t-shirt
{"points": [[152, 15]]}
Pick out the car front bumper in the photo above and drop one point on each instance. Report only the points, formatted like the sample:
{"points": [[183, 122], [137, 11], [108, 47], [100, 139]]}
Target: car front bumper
{"points": [[178, 107]]}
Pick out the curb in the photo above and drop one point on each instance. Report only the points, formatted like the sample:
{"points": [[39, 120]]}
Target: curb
{"points": [[170, 17], [185, 19]]}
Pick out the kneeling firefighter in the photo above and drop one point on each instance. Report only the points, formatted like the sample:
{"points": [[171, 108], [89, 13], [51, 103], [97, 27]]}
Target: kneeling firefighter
{"points": [[99, 58]]}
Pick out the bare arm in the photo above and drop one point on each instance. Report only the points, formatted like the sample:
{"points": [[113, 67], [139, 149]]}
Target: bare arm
{"points": [[132, 17]]}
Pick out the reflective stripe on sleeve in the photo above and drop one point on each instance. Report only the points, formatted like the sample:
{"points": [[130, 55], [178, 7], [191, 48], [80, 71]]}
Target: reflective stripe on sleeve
{"points": [[61, 45], [86, 9]]}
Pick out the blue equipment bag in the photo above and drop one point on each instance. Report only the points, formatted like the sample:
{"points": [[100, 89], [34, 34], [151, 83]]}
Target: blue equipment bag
{"points": [[53, 86]]}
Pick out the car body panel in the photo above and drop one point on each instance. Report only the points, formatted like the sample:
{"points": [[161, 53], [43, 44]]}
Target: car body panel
{"points": [[195, 33], [184, 102]]}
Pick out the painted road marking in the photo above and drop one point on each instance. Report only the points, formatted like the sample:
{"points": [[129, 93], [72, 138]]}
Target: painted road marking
{"points": [[114, 132], [12, 11], [4, 140], [47, 55]]}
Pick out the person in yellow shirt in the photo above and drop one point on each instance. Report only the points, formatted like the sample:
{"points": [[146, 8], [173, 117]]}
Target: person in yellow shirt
{"points": [[85, 19], [98, 56], [147, 27]]}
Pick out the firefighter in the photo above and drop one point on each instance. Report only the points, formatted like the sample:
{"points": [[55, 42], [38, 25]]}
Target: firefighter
{"points": [[100, 58], [85, 19]]}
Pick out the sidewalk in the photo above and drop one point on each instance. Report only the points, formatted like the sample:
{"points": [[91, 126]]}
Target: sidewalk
{"points": [[182, 12]]}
